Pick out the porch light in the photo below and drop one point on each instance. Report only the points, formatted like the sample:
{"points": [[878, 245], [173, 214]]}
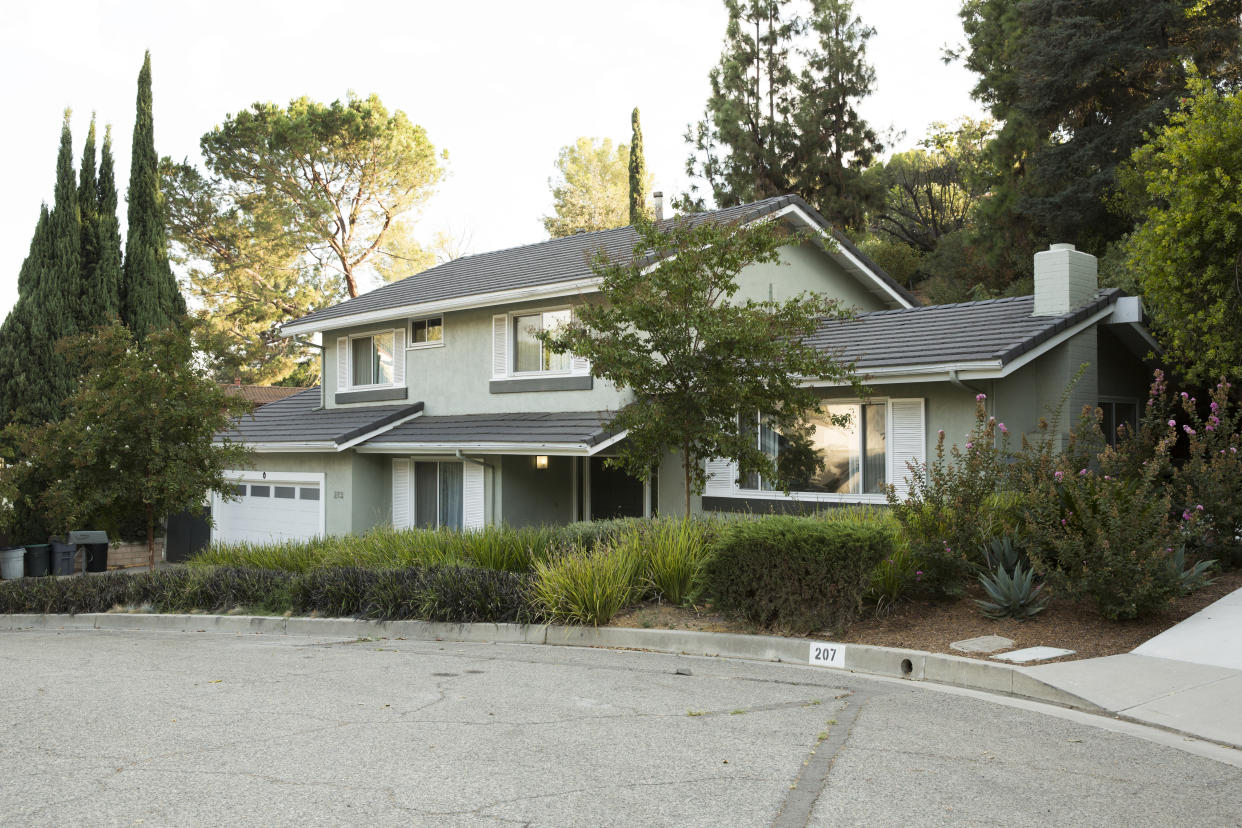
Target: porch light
{"points": [[541, 461]]}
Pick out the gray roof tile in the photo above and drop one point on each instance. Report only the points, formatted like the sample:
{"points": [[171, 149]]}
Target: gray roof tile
{"points": [[585, 427], [549, 262], [299, 419], [996, 329]]}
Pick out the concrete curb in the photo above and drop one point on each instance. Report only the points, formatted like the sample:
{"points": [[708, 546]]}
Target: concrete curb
{"points": [[911, 665]]}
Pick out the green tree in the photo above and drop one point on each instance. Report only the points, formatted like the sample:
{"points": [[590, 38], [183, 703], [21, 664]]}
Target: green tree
{"points": [[137, 437], [744, 146], [338, 174], [591, 189], [693, 354], [1076, 83], [834, 144], [244, 262], [1187, 250], [639, 180], [101, 299], [88, 209], [150, 299]]}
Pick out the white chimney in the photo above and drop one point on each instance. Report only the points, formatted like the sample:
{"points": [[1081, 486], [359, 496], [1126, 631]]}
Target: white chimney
{"points": [[658, 198], [1065, 279]]}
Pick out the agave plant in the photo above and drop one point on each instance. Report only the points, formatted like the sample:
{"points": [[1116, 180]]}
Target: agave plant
{"points": [[1189, 579], [1000, 553], [1014, 596]]}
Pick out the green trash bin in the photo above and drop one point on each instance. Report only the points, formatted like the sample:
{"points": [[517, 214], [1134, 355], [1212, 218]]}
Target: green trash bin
{"points": [[64, 556], [38, 560]]}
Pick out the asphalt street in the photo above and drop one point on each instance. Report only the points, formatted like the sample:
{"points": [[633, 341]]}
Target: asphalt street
{"points": [[130, 728]]}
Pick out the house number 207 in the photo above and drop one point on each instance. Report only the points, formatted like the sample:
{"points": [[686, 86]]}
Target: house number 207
{"points": [[827, 655]]}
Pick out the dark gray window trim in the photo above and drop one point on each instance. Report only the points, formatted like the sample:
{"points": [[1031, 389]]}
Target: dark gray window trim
{"points": [[571, 383], [371, 395], [768, 506]]}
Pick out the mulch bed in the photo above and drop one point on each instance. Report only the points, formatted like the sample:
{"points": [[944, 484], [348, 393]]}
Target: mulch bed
{"points": [[932, 626]]}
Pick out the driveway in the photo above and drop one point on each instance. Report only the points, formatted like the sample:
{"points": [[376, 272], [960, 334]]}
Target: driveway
{"points": [[125, 728]]}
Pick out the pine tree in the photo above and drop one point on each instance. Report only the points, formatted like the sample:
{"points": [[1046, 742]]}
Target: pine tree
{"points": [[744, 146], [18, 388], [102, 297], [88, 206], [835, 145], [150, 298], [638, 173]]}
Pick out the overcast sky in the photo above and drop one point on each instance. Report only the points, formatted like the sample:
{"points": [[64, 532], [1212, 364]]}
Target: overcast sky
{"points": [[500, 85]]}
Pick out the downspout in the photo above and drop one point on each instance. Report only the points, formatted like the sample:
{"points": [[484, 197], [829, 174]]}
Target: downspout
{"points": [[458, 454], [965, 386]]}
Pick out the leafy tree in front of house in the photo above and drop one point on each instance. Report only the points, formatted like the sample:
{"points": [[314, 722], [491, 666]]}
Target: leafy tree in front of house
{"points": [[694, 354], [150, 299], [1186, 252], [136, 438]]}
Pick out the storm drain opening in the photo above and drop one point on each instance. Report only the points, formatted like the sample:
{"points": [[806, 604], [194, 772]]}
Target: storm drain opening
{"points": [[906, 667]]}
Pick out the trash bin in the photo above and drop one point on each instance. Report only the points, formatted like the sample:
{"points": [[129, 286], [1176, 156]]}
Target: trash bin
{"points": [[11, 563], [38, 560], [95, 548], [64, 556]]}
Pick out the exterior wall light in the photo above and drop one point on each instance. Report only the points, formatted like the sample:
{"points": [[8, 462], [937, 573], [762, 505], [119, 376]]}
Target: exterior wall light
{"points": [[541, 461]]}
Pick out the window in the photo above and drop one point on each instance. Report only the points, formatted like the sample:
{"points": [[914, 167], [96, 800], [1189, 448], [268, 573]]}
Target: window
{"points": [[372, 359], [308, 494], [827, 458], [1118, 414], [239, 489], [260, 491], [425, 332], [438, 495], [284, 492], [529, 355]]}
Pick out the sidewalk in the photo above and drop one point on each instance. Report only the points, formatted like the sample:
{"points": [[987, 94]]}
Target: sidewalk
{"points": [[1188, 678]]}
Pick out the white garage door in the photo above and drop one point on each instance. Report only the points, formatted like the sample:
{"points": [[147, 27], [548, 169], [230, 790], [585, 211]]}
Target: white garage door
{"points": [[269, 509]]}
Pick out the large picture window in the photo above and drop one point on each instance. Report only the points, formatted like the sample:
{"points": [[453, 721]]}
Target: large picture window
{"points": [[372, 359], [828, 458], [529, 354]]}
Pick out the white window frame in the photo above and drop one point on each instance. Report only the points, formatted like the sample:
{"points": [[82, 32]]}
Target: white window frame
{"points": [[511, 336], [397, 353], [411, 345]]}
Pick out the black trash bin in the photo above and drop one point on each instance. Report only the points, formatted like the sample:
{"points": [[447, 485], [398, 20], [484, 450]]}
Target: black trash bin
{"points": [[38, 560], [64, 557], [95, 548]]}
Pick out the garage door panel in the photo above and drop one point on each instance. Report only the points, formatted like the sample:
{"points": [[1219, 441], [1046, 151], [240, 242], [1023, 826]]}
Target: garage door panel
{"points": [[269, 511]]}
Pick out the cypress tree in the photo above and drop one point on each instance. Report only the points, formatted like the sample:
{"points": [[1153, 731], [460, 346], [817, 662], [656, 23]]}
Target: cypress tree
{"points": [[638, 173], [88, 206], [150, 299], [16, 366], [102, 299]]}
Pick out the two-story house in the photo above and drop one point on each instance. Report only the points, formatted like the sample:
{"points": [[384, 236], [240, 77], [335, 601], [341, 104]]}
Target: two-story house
{"points": [[440, 408]]}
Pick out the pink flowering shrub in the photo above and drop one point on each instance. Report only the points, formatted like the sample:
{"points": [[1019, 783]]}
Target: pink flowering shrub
{"points": [[1210, 479], [945, 515]]}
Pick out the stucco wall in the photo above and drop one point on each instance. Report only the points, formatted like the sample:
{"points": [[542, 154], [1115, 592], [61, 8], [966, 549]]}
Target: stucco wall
{"points": [[532, 496], [802, 268]]}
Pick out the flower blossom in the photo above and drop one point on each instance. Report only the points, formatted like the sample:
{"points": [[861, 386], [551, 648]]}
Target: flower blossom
{"points": [[1002, 428], [1058, 475], [1172, 423], [980, 397]]}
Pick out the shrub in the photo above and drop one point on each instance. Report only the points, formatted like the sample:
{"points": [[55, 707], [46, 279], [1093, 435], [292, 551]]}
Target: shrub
{"points": [[673, 552], [1013, 593], [587, 534], [798, 574], [580, 586], [336, 592], [465, 594], [893, 578], [945, 515], [505, 548]]}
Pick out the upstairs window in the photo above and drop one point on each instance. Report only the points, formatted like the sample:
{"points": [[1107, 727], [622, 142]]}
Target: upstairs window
{"points": [[372, 359], [425, 332], [529, 354]]}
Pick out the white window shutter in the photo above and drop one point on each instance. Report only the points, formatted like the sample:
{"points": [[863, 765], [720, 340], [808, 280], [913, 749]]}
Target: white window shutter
{"points": [[398, 357], [721, 477], [401, 494], [472, 497], [500, 345], [907, 441], [342, 363]]}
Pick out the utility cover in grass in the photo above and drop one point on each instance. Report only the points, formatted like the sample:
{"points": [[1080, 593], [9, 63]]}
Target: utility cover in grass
{"points": [[1034, 654], [982, 644]]}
